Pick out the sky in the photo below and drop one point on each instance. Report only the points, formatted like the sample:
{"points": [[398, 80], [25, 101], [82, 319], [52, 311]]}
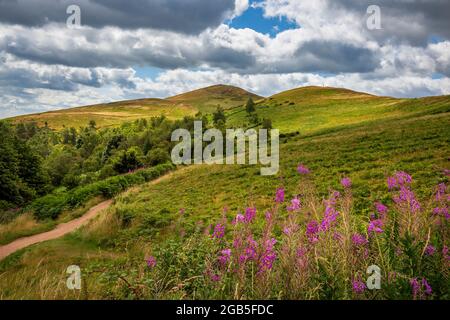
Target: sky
{"points": [[158, 48]]}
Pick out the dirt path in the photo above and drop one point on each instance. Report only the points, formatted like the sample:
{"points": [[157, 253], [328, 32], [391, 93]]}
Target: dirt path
{"points": [[59, 231], [72, 225]]}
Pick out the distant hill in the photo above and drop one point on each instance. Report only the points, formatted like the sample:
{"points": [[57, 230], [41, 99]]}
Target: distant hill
{"points": [[204, 100], [208, 99], [311, 109], [305, 109]]}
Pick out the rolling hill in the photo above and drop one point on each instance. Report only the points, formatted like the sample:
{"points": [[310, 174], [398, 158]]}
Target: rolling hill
{"points": [[311, 109], [208, 99], [203, 100]]}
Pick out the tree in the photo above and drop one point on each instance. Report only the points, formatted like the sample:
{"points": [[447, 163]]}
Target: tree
{"points": [[267, 124], [128, 160], [219, 116], [92, 124], [157, 156], [250, 106]]}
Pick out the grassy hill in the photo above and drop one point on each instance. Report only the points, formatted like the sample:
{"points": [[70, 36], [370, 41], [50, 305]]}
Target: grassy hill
{"points": [[311, 109], [342, 134], [109, 114], [208, 99], [112, 114]]}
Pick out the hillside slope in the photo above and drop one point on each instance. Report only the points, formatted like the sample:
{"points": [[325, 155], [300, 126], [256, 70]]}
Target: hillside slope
{"points": [[311, 109], [208, 99], [205, 100]]}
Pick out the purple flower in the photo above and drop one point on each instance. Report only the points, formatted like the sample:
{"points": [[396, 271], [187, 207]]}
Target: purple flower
{"points": [[375, 226], [430, 250], [358, 286], [312, 228], [407, 196], [151, 262], [427, 287], [279, 197], [381, 208], [215, 277], [269, 255], [346, 182], [268, 216], [225, 256], [250, 214], [399, 179], [249, 251], [415, 286], [239, 218], [295, 205], [440, 192], [219, 231], [182, 211], [303, 169], [329, 218], [359, 240], [445, 253]]}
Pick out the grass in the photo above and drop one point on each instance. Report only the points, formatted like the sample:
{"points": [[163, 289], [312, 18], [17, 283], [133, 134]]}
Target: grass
{"points": [[360, 136], [206, 100], [113, 114], [312, 109]]}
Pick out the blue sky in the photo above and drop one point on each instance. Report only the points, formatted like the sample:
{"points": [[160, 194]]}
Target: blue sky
{"points": [[254, 19]]}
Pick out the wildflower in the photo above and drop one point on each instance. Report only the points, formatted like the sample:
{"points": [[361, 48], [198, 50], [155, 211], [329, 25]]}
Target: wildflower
{"points": [[239, 218], [249, 251], [250, 214], [182, 211], [445, 253], [269, 255], [419, 288], [301, 252], [407, 196], [381, 208], [295, 205], [303, 169], [268, 216], [430, 250], [346, 182], [358, 286], [279, 197], [215, 277], [329, 218], [290, 230], [400, 179], [427, 287], [151, 262], [359, 240], [415, 287], [312, 228], [219, 231], [225, 256], [375, 226], [440, 192]]}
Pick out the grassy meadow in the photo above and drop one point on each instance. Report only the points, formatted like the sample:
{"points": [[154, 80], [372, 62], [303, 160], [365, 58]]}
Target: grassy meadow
{"points": [[216, 231]]}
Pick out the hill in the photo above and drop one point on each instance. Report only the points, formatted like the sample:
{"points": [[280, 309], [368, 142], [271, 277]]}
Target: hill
{"points": [[311, 109], [208, 99], [204, 100]]}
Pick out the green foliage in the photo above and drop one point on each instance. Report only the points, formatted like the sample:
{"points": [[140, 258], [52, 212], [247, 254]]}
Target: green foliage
{"points": [[51, 205], [250, 106]]}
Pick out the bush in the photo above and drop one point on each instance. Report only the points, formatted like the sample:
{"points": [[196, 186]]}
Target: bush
{"points": [[50, 206]]}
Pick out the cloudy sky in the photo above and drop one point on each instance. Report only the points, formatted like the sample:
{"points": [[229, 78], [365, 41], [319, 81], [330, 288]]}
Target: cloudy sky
{"points": [[157, 48]]}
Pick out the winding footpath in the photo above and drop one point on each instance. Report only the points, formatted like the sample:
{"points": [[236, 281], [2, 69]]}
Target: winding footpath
{"points": [[61, 230]]}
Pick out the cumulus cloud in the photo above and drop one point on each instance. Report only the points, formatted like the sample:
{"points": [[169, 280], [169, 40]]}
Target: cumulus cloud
{"points": [[45, 65]]}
